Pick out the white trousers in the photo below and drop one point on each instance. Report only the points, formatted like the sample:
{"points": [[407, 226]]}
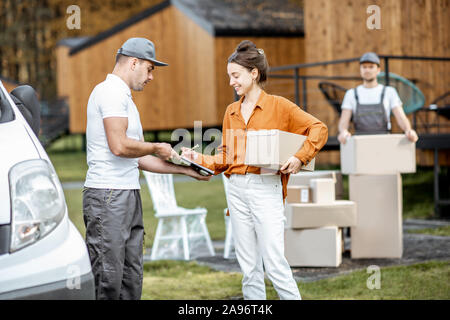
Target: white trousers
{"points": [[257, 217]]}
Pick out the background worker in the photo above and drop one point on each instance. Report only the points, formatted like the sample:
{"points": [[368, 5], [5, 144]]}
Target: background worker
{"points": [[371, 105]]}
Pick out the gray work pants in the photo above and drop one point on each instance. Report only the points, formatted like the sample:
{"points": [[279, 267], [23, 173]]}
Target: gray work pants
{"points": [[114, 237]]}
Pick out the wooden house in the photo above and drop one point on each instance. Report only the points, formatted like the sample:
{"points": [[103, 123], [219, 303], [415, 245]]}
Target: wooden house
{"points": [[195, 37]]}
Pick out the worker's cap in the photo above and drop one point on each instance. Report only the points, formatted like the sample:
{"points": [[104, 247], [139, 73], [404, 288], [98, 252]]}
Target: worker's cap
{"points": [[370, 57], [140, 48]]}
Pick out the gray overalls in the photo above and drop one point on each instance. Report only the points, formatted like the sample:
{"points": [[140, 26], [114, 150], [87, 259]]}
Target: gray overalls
{"points": [[370, 118]]}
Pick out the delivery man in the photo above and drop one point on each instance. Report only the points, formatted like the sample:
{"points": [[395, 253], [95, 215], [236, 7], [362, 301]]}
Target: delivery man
{"points": [[116, 150], [371, 104]]}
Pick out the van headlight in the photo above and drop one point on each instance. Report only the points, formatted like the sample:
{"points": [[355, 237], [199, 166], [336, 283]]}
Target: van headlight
{"points": [[37, 202]]}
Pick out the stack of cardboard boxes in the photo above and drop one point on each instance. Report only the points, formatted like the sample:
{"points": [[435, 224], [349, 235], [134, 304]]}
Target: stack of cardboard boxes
{"points": [[314, 219], [374, 164]]}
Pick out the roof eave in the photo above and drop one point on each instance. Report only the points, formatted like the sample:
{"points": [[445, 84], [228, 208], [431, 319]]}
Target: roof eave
{"points": [[121, 26]]}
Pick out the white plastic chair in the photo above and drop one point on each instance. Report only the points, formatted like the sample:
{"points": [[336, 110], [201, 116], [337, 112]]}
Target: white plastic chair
{"points": [[229, 243], [181, 232]]}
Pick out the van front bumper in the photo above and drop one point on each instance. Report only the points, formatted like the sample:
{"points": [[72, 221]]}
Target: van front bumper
{"points": [[70, 289]]}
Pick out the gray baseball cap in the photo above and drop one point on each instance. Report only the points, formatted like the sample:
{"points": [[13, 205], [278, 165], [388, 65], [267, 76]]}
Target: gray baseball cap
{"points": [[140, 48], [370, 57]]}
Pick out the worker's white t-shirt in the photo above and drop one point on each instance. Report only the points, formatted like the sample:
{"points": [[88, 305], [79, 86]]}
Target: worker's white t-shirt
{"points": [[111, 98], [372, 96]]}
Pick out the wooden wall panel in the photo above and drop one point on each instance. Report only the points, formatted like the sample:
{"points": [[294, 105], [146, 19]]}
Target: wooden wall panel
{"points": [[279, 51], [62, 70], [195, 72]]}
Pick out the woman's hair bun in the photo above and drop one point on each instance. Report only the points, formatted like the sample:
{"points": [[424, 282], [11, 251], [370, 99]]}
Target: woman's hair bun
{"points": [[245, 46], [250, 57]]}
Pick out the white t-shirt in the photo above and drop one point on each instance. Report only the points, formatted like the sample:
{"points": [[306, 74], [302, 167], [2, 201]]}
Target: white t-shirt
{"points": [[111, 98], [372, 96]]}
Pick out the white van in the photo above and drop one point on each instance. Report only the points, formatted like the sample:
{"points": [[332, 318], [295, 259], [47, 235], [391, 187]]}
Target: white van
{"points": [[42, 254]]}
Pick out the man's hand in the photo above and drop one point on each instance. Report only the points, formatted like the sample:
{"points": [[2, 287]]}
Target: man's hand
{"points": [[194, 174], [292, 165], [411, 135], [164, 151], [343, 136]]}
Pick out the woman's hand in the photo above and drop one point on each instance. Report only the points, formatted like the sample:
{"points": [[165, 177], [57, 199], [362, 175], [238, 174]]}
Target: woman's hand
{"points": [[194, 174], [292, 165], [189, 154]]}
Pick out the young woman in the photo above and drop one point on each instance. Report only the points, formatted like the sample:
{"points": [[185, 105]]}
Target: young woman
{"points": [[255, 201]]}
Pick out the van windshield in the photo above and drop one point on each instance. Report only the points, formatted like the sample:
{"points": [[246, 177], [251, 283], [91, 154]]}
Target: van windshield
{"points": [[6, 112]]}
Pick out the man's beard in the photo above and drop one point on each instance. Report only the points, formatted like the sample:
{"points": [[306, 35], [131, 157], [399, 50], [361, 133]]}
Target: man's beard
{"points": [[370, 79], [139, 87]]}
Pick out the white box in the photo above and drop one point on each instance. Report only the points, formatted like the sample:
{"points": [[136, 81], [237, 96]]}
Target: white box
{"points": [[323, 190], [378, 154], [341, 213], [270, 149], [303, 178], [321, 247], [298, 194], [378, 231]]}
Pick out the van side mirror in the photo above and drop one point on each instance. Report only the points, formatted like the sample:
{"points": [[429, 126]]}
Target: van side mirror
{"points": [[27, 102]]}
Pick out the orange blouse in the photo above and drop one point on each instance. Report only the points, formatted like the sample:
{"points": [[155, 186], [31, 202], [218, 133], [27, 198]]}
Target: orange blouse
{"points": [[270, 112]]}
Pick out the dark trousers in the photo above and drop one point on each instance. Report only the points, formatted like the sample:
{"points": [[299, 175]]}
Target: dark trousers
{"points": [[114, 237]]}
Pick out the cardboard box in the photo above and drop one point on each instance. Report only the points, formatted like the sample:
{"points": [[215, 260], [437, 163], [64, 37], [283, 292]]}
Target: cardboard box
{"points": [[341, 213], [323, 190], [303, 178], [378, 230], [378, 154], [270, 149], [321, 247], [298, 194]]}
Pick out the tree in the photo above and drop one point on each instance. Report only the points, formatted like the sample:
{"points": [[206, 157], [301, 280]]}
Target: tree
{"points": [[30, 30]]}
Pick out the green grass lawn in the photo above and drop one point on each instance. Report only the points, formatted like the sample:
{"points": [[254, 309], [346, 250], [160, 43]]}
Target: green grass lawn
{"points": [[209, 195], [188, 280], [69, 166]]}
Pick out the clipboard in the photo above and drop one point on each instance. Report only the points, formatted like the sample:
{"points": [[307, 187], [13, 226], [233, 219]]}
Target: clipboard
{"points": [[199, 168]]}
